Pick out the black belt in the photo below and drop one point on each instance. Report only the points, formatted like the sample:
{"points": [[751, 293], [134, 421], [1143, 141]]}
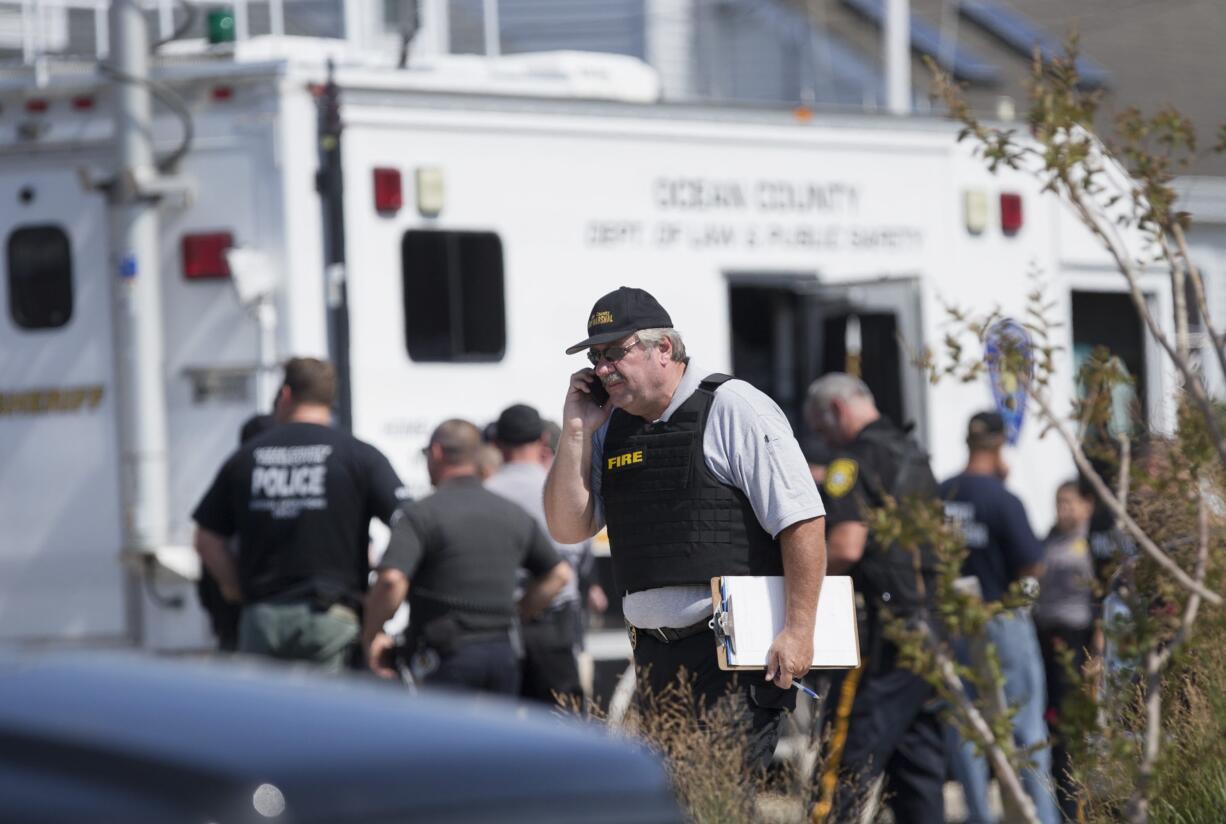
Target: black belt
{"points": [[670, 635]]}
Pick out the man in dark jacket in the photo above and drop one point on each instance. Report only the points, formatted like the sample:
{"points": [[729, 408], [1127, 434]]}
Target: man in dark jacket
{"points": [[885, 717]]}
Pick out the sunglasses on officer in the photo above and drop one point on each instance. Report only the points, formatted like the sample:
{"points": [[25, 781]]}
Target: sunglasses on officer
{"points": [[612, 354]]}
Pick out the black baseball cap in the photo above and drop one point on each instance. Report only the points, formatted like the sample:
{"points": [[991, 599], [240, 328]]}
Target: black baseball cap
{"points": [[619, 313], [518, 424], [986, 430]]}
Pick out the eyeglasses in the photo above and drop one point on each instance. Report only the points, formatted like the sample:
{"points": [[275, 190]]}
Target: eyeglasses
{"points": [[613, 354]]}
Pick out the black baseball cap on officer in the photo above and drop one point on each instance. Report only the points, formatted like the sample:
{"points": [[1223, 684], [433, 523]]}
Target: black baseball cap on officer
{"points": [[986, 430], [619, 313], [518, 424]]}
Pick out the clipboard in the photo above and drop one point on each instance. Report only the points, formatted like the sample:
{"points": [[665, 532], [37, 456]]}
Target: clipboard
{"points": [[749, 613]]}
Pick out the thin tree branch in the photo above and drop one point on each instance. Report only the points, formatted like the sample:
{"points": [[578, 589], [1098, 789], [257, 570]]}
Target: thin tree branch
{"points": [[1010, 783], [1218, 339], [1191, 381], [1106, 231], [1137, 809], [1192, 608], [1073, 173], [1113, 503], [1087, 411], [1179, 292], [1074, 193], [1192, 384], [1179, 280], [1156, 661], [1122, 485]]}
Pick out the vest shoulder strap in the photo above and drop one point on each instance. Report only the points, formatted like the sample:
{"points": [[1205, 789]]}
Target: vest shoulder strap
{"points": [[621, 422], [908, 454], [897, 446]]}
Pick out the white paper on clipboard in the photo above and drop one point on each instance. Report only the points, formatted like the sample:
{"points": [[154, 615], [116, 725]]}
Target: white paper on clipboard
{"points": [[749, 613]]}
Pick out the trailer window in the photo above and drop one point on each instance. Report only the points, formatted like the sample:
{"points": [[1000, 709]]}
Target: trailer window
{"points": [[40, 277], [453, 296]]}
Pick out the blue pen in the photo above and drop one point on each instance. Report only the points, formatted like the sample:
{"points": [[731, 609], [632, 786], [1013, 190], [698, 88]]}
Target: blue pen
{"points": [[800, 686]]}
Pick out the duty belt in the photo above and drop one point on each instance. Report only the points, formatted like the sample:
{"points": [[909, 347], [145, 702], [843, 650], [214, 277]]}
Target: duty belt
{"points": [[670, 635]]}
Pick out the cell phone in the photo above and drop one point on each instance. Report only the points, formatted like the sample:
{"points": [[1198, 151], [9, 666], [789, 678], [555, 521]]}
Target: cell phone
{"points": [[599, 394]]}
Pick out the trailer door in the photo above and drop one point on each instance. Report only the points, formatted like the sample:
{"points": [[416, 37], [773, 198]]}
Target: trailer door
{"points": [[787, 331], [872, 329], [60, 575]]}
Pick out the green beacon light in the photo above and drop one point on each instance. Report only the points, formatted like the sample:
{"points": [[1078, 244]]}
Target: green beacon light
{"points": [[221, 25]]}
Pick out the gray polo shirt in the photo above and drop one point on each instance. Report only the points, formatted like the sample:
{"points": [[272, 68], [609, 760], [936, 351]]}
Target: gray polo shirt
{"points": [[748, 444], [461, 549], [524, 484]]}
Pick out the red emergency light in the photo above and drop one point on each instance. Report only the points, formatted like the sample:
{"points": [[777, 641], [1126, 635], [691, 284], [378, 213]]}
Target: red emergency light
{"points": [[222, 93], [389, 196], [204, 255], [83, 103], [1010, 213], [37, 105]]}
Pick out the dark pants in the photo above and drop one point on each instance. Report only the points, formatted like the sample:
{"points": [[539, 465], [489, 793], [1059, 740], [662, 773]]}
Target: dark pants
{"points": [[550, 671], [223, 615], [893, 727], [487, 666], [1077, 640], [659, 666]]}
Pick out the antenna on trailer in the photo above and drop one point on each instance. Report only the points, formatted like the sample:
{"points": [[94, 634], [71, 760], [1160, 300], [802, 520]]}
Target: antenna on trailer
{"points": [[330, 183], [408, 23]]}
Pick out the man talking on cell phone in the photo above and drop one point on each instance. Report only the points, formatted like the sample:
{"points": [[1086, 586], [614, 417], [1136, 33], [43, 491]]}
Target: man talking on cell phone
{"points": [[696, 475]]}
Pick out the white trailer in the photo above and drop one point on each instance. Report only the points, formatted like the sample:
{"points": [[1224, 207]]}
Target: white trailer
{"points": [[487, 203]]}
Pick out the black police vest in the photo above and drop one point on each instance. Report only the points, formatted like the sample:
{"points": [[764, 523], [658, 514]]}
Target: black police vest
{"points": [[671, 521], [887, 574]]}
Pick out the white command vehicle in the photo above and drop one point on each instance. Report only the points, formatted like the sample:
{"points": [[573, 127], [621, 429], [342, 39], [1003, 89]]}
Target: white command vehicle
{"points": [[486, 205]]}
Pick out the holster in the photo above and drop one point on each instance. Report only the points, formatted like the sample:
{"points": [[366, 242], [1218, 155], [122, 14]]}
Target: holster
{"points": [[442, 634]]}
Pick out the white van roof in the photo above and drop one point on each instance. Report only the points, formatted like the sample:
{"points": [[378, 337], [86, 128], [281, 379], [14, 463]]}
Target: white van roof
{"points": [[569, 74]]}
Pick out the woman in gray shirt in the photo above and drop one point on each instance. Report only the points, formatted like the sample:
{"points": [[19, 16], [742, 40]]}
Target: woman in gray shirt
{"points": [[1064, 616]]}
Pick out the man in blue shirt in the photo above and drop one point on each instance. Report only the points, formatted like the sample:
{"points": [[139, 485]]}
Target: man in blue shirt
{"points": [[1003, 549]]}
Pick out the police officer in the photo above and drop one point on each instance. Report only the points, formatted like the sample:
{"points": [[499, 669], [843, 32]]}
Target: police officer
{"points": [[299, 498], [885, 718], [460, 549], [696, 475], [550, 669]]}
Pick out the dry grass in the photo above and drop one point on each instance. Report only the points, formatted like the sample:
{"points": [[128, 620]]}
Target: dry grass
{"points": [[705, 751], [1189, 783]]}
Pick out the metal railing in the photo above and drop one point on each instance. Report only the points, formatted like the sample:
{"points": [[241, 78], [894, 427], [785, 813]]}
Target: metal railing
{"points": [[42, 28]]}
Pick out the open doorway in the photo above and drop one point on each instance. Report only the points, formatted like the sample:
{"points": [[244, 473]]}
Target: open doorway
{"points": [[788, 331], [1109, 319], [771, 348], [871, 350]]}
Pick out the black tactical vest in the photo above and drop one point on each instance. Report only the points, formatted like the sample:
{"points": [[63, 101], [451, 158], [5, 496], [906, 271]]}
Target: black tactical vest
{"points": [[671, 522], [887, 574]]}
